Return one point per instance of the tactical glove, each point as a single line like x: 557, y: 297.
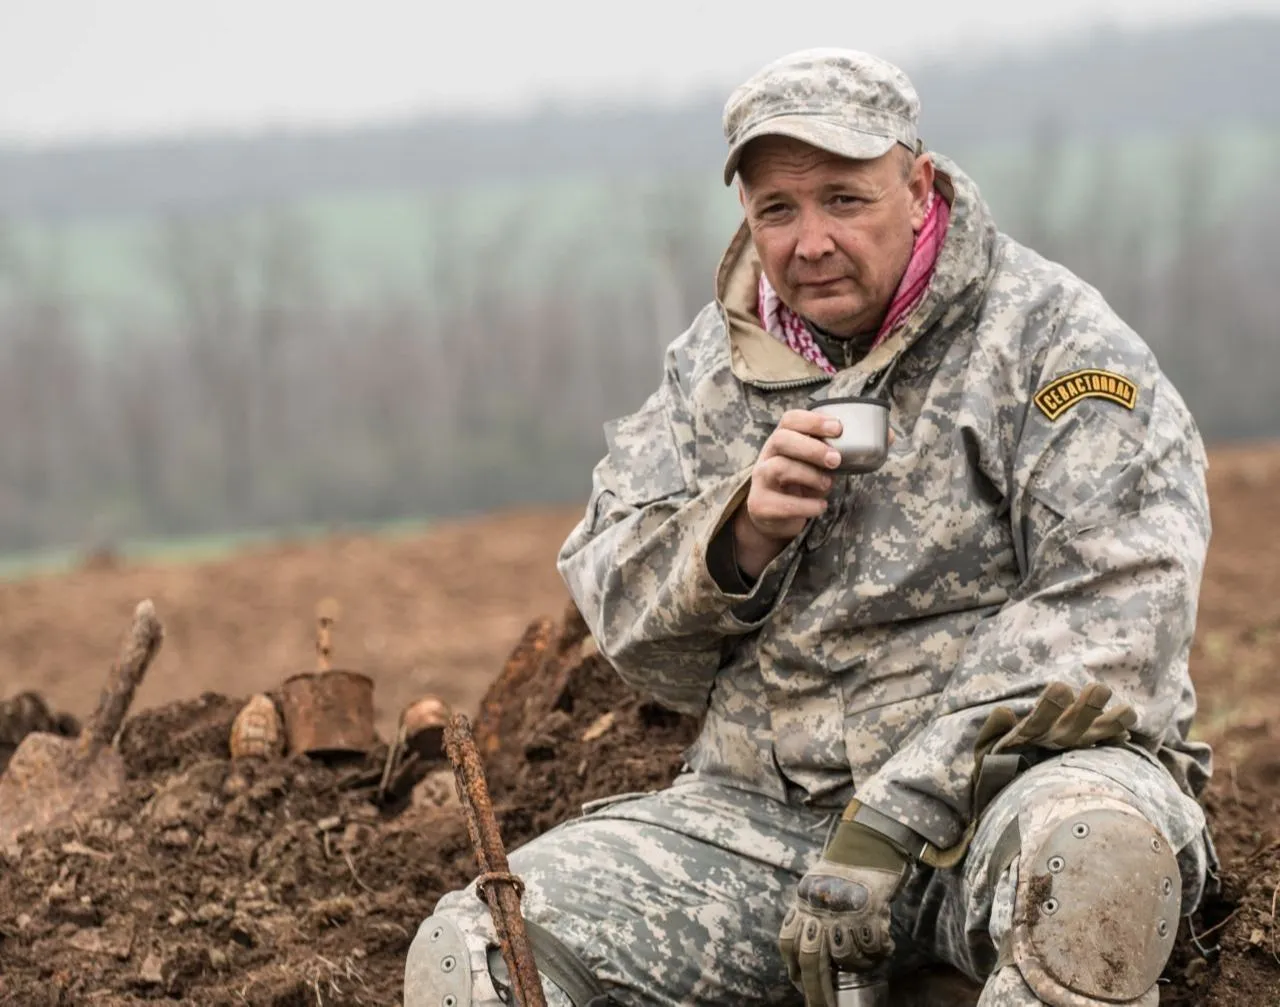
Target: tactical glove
x: 840, y: 918
x: 1059, y: 720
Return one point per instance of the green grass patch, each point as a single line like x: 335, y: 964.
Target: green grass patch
x: 201, y: 548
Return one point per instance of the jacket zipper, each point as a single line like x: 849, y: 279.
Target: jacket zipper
x: 782, y: 386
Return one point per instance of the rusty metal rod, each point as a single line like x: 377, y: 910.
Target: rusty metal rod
x: 498, y: 886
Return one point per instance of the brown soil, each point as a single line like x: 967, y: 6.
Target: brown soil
x: 214, y: 881
x: 1234, y: 664
x: 436, y: 613
x: 282, y: 883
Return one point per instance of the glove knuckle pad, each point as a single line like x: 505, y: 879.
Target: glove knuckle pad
x: 834, y: 894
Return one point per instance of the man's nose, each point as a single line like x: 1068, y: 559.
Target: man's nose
x: 814, y: 238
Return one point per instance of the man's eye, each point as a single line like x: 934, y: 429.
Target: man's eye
x: 843, y: 199
x: 773, y: 210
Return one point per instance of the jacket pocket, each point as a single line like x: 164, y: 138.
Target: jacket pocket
x: 1090, y: 471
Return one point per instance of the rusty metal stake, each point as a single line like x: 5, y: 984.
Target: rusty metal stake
x: 499, y: 888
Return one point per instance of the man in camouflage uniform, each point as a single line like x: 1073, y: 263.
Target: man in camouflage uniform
x: 907, y: 753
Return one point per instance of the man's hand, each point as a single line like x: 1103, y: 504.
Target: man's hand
x: 789, y: 487
x: 840, y: 919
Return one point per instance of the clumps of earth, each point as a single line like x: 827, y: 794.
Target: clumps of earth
x: 285, y: 882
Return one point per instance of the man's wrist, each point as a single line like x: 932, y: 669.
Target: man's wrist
x: 752, y: 549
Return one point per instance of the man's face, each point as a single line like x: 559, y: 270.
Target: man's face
x: 834, y: 236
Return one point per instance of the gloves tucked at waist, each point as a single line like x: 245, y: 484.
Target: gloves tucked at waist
x: 840, y: 918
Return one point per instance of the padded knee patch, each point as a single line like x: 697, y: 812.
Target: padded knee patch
x: 442, y: 970
x: 1096, y: 910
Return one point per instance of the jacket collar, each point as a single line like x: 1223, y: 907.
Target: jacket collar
x: 959, y: 281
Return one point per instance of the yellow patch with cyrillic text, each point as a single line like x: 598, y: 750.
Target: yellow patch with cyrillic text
x: 1062, y: 393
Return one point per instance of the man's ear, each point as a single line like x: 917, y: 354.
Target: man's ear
x: 742, y: 194
x: 921, y: 184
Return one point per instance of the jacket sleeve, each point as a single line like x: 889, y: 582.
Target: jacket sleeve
x: 637, y: 565
x: 1110, y: 523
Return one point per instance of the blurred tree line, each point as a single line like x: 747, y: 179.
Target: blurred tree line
x: 261, y: 400
x: 1180, y: 79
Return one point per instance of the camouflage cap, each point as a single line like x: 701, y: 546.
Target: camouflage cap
x: 839, y: 100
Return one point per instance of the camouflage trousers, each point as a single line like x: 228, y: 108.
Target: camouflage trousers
x: 676, y: 897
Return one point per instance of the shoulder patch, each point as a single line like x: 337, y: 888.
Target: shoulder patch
x: 1062, y: 393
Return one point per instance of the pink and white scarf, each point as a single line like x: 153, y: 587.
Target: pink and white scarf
x: 785, y: 325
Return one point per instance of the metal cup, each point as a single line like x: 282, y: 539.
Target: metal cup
x: 864, y: 440
x: 861, y: 989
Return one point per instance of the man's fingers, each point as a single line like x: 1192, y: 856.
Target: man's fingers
x: 813, y: 424
x: 774, y: 505
x: 801, y: 447
x: 780, y: 474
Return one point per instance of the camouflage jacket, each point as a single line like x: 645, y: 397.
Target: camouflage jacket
x: 1042, y: 516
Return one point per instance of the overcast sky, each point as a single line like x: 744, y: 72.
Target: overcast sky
x: 74, y: 68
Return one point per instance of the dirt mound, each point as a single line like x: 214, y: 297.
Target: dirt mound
x: 559, y: 728
x: 281, y: 883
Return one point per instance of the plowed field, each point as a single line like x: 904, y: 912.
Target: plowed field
x: 282, y: 883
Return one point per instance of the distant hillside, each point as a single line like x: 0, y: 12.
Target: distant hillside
x: 1111, y: 84
x: 1181, y: 80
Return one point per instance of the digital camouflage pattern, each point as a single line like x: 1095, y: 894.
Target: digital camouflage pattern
x: 996, y: 551
x: 847, y: 102
x: 1042, y: 517
x: 676, y: 897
